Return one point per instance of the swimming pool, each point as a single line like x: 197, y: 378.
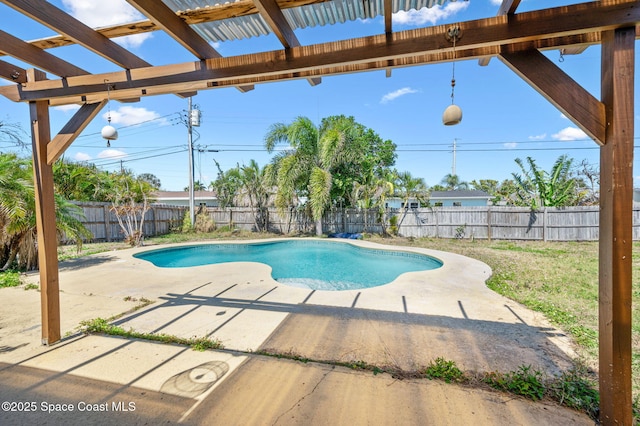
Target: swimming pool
x: 318, y: 265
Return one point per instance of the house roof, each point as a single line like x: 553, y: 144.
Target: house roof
x: 183, y: 195
x: 460, y: 194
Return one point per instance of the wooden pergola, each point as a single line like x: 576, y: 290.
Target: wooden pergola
x: 515, y: 38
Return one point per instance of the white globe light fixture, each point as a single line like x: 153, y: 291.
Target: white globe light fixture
x: 109, y: 132
x: 452, y: 114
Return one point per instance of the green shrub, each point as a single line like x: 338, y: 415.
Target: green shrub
x: 10, y: 279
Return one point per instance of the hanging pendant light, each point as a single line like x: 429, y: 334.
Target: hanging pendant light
x: 109, y: 132
x: 452, y: 114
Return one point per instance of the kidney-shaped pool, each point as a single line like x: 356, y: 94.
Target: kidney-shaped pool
x: 318, y: 265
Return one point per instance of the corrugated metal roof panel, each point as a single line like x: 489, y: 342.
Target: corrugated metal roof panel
x: 326, y: 13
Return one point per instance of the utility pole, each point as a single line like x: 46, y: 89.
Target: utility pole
x: 453, y: 166
x: 193, y: 120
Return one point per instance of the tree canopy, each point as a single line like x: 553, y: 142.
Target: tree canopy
x: 324, y: 163
x: 538, y: 188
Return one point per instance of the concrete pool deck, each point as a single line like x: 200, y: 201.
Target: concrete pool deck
x: 447, y: 312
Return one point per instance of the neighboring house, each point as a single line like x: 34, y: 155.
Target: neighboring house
x: 181, y: 198
x: 398, y: 203
x: 464, y: 198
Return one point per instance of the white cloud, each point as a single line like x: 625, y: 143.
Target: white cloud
x: 112, y: 153
x: 82, y: 156
x: 538, y: 137
x: 67, y: 108
x: 496, y: 2
x: 510, y: 145
x: 428, y: 15
x: 570, y: 134
x: 393, y: 95
x: 563, y: 116
x: 103, y: 13
x: 130, y: 115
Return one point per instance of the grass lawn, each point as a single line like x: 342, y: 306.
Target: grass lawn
x: 559, y: 279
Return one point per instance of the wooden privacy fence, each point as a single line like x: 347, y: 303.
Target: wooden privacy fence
x: 103, y: 224
x: 487, y: 222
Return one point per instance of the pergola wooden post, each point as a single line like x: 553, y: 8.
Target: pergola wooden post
x: 45, y: 217
x: 616, y: 236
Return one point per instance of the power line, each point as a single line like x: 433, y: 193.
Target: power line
x: 123, y: 159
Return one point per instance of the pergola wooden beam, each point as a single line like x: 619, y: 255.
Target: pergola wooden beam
x: 59, y: 21
x: 190, y: 17
x: 165, y: 19
x: 479, y: 38
x: 25, y: 52
x: 616, y: 222
x: 180, y: 31
x: 12, y: 73
x: 276, y: 20
x: 72, y: 130
x: 274, y: 17
x: 561, y: 90
x: 508, y: 7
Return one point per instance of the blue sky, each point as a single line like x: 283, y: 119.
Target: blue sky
x: 504, y: 118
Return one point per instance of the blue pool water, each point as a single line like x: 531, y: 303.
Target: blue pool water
x: 318, y: 265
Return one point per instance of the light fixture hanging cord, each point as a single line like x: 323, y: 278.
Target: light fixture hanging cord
x: 108, y: 101
x: 454, y: 35
x: 108, y: 107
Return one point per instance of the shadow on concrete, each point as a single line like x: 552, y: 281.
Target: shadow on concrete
x: 5, y: 348
x: 402, y: 340
x: 48, y: 397
x: 85, y: 262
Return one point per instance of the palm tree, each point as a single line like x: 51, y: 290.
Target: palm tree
x: 306, y: 168
x: 452, y: 182
x: 18, y: 234
x: 80, y: 181
x: 227, y: 185
x: 197, y: 186
x: 537, y: 188
x: 255, y: 188
x: 372, y: 194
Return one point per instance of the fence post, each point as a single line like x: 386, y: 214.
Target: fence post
x: 107, y: 224
x: 155, y: 221
x: 489, y: 223
x: 544, y: 224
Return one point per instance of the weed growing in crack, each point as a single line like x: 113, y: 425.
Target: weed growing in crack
x: 575, y: 389
x: 444, y: 370
x: 102, y: 326
x: 525, y: 382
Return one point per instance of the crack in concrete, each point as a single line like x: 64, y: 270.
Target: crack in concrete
x: 295, y: 404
